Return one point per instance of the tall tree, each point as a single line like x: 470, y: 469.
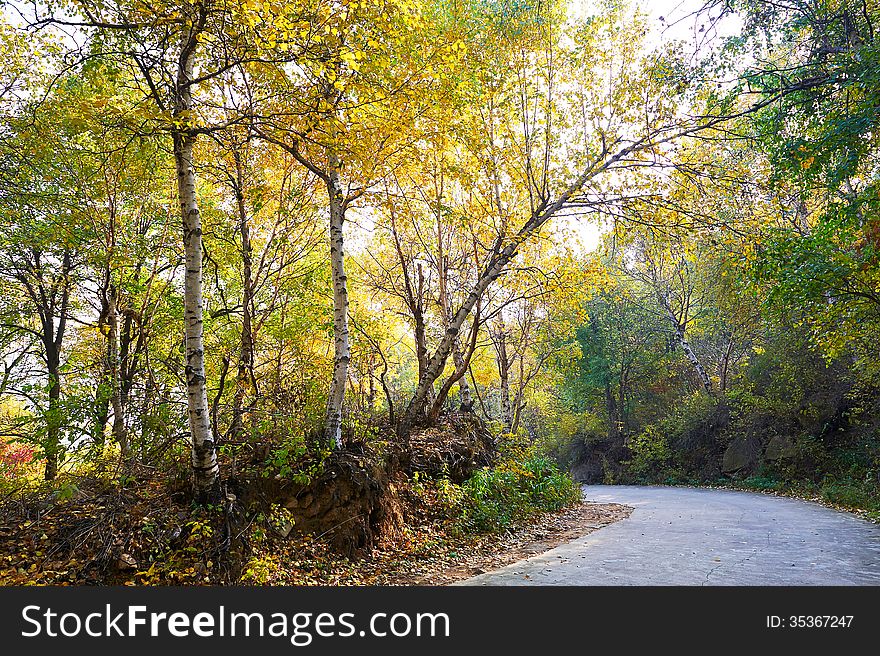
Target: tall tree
x: 173, y: 49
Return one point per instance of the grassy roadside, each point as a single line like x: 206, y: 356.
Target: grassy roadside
x: 844, y: 498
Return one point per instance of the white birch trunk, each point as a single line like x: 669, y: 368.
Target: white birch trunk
x: 504, y: 376
x: 206, y: 472
x: 341, y: 344
x: 685, y: 345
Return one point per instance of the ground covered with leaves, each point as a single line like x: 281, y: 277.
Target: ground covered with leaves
x: 431, y: 554
x: 96, y: 530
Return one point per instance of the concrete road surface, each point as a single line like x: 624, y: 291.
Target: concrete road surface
x: 682, y: 536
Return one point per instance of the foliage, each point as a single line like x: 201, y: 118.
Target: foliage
x: 497, y: 497
x: 650, y: 454
x: 14, y: 459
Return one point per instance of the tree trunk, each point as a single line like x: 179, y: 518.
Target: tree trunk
x: 500, y: 340
x: 685, y: 346
x: 371, y: 390
x: 342, y: 348
x: 102, y: 410
x: 119, y: 433
x: 464, y: 389
x: 417, y: 307
x: 53, y: 423
x: 518, y: 405
x: 414, y: 296
x: 246, y: 350
x: 53, y: 338
x: 206, y: 472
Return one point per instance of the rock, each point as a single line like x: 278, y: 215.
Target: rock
x: 126, y: 563
x: 779, y: 448
x: 285, y: 528
x: 741, y: 455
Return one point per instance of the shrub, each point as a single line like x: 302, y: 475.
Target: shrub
x: 851, y: 494
x: 496, y: 497
x: 651, y: 454
x: 762, y: 483
x: 14, y: 459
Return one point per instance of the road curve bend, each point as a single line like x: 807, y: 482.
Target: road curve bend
x: 687, y: 536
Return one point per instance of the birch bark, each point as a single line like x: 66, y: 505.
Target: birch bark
x: 206, y: 472
x: 341, y: 343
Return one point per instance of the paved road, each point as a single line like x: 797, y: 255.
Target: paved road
x: 681, y: 536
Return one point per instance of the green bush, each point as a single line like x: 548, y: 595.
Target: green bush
x: 762, y: 483
x: 651, y: 454
x: 496, y: 497
x: 851, y: 494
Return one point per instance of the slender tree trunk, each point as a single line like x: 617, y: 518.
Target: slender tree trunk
x: 206, y: 472
x: 464, y: 389
x: 518, y: 405
x: 102, y: 410
x: 420, y: 333
x: 342, y: 348
x: 53, y: 338
x: 685, y: 345
x: 103, y: 392
x: 478, y: 395
x: 120, y: 435
x: 53, y: 423
x: 499, y: 339
x: 371, y: 390
x: 246, y: 350
x: 414, y: 295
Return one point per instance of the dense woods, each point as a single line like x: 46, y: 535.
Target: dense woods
x: 272, y: 270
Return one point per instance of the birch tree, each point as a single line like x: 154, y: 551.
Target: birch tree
x: 171, y: 49
x: 365, y: 74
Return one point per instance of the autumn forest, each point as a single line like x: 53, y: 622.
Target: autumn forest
x: 309, y: 291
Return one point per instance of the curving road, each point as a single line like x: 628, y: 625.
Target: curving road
x: 684, y: 536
